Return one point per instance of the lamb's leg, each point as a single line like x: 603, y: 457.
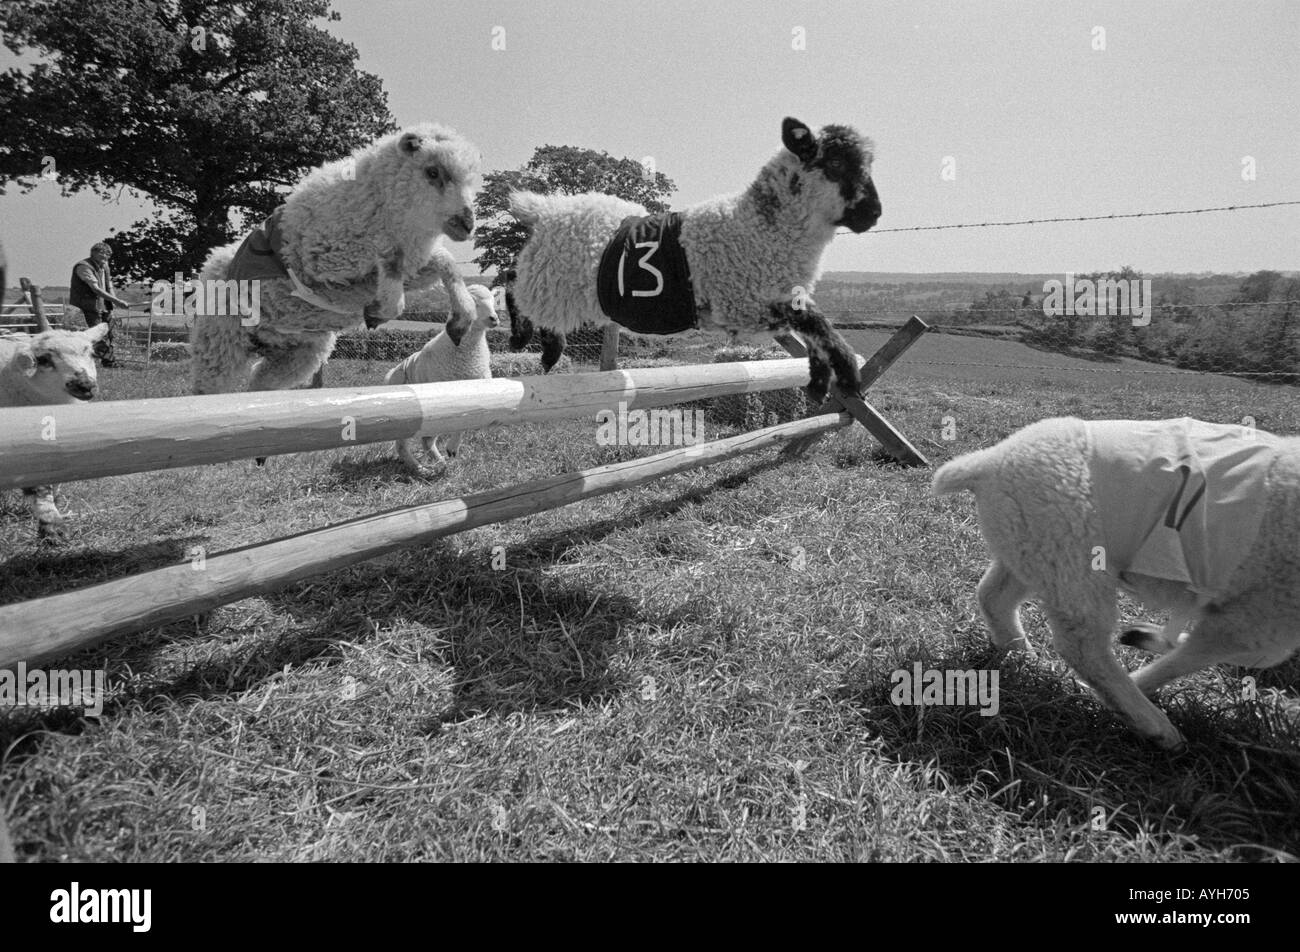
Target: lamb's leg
x: 453, y: 442
x: 390, y: 291
x: 441, y: 267
x: 49, y: 521
x: 430, y: 449
x: 291, y: 361
x: 1000, y: 594
x: 1248, y: 632
x: 521, y: 328
x: 828, y: 351
x: 1084, y: 643
x: 552, y: 347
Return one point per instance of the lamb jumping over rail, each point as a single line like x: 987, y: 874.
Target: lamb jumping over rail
x: 441, y: 359
x: 742, y: 264
x: 48, y: 367
x: 343, y: 248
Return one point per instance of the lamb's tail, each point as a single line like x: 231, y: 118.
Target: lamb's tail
x: 966, y: 472
x: 528, y: 207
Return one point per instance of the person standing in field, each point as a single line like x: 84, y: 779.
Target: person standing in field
x: 91, y: 290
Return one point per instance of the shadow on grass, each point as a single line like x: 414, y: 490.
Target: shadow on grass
x: 43, y: 569
x: 1054, y: 755
x: 518, y: 640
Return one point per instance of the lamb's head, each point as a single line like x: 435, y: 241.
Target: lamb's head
x: 433, y: 175
x: 57, y: 366
x: 485, y: 307
x: 827, y: 175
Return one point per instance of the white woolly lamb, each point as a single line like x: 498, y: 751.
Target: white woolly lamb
x: 750, y: 260
x: 1198, y: 518
x: 343, y: 247
x: 442, y: 359
x: 51, y: 367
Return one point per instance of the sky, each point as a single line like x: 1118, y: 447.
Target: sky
x: 1013, y: 100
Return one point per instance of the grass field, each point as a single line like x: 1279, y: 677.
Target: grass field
x: 698, y: 669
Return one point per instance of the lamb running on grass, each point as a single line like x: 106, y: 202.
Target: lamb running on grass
x: 49, y: 367
x: 1197, y: 518
x: 441, y: 359
x: 742, y: 264
x: 342, y: 249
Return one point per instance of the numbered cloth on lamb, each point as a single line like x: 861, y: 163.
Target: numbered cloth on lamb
x: 258, y: 259
x: 258, y: 256
x: 644, y: 282
x: 1179, y: 499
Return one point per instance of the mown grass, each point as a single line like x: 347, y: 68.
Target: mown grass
x: 697, y: 669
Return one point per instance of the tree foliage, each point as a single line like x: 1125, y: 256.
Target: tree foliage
x: 564, y: 169
x: 203, y: 106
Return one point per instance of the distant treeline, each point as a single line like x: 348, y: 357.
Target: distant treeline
x: 1214, y: 323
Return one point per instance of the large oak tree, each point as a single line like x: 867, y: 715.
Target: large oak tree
x: 204, y: 107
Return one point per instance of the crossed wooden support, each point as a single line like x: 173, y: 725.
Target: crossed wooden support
x: 893, y: 441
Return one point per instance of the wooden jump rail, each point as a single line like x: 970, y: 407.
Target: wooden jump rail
x: 68, y: 442
x: 46, y: 628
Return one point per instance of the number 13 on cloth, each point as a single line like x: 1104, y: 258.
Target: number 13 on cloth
x: 644, y: 281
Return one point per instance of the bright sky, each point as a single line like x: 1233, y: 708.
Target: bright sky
x: 1037, y: 121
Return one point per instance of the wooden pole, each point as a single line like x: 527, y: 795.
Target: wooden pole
x: 46, y: 628
x: 65, y: 442
x: 609, y: 348
x: 894, y: 442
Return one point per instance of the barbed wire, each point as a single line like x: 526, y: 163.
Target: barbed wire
x: 1047, y: 221
x: 1044, y: 221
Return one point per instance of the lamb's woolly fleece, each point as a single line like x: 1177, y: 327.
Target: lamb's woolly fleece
x: 73, y: 363
x: 342, y: 219
x: 1040, y: 521
x: 745, y: 251
x: 24, y: 383
x: 440, y: 359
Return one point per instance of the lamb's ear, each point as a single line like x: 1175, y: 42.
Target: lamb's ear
x: 97, y: 332
x: 799, y: 139
x: 25, y: 363
x: 410, y: 143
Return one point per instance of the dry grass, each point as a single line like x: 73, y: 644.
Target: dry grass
x: 652, y: 676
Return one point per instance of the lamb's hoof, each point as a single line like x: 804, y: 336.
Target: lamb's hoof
x: 435, y: 471
x: 1146, y: 636
x: 260, y: 461
x: 52, y: 532
x: 1171, y: 740
x: 373, y: 317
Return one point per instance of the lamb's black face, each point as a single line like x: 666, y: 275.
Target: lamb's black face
x: 844, y: 157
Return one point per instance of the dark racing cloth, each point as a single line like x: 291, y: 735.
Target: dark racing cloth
x: 644, y: 282
x: 259, y: 255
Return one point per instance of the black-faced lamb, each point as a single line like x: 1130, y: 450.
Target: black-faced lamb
x: 743, y: 264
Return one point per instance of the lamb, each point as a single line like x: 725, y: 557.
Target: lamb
x: 49, y: 367
x: 442, y: 359
x: 343, y: 247
x: 1197, y: 518
x: 743, y: 264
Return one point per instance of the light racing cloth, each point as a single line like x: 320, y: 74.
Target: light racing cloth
x: 1179, y: 499
x: 644, y: 282
x: 258, y: 258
